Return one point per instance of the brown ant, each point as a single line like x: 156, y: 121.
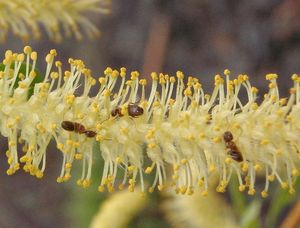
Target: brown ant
x: 116, y: 112
x: 90, y: 134
x: 134, y: 110
x: 77, y: 128
x: 234, y: 152
x: 73, y: 126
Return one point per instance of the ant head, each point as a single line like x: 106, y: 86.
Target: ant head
x: 227, y: 136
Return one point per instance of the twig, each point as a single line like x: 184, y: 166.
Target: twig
x: 156, y: 45
x: 293, y: 218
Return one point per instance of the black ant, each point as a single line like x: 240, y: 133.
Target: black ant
x: 234, y: 152
x: 77, y: 128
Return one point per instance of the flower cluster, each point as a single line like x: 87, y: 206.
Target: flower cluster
x: 57, y: 17
x: 178, y: 133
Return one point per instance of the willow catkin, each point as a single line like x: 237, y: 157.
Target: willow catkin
x: 118, y: 210
x: 58, y: 18
x: 176, y: 126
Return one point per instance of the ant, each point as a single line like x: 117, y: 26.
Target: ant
x: 134, y: 110
x: 116, y: 112
x: 73, y: 126
x: 233, y: 150
x: 90, y: 134
x: 77, y: 128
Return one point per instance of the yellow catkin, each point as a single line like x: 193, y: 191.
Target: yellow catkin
x: 65, y: 15
x: 179, y: 134
x: 198, y: 211
x: 126, y: 202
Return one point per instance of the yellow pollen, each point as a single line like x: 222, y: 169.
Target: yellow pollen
x: 271, y: 177
x: 9, y: 172
x: 271, y: 76
x: 217, y: 128
x: 179, y: 75
x: 264, y: 142
x: 78, y: 156
x: 292, y: 191
x: 245, y: 167
x: 160, y: 187
x: 272, y: 85
x: 190, y: 138
x: 251, y: 191
x: 99, y: 138
x: 39, y: 174
x: 53, y: 126
x: 148, y: 170
x: 60, y: 146
x: 202, y: 135
x: 245, y: 77
x: 67, y: 177
x: 217, y: 139
x: 284, y: 185
x: 227, y: 72
x: 212, y: 168
x: 257, y: 167
x: 143, y: 82
x: 264, y: 194
x: 107, y: 93
x: 176, y: 167
x: 23, y: 159
x: 27, y: 49
x: 200, y: 183
x: 184, y: 161
x: 119, y: 160
x: 254, y: 90
x: 59, y: 180
x: 76, y: 144
x: 151, y: 145
x: 68, y: 165
x: 131, y: 168
x: 172, y: 79
x: 204, y: 193
x: 294, y: 77
x: 175, y: 177
x: 150, y: 189
x: 295, y: 172
x: 20, y: 57
x: 183, y: 189
x: 242, y: 188
x: 124, y: 130
x: 86, y: 183
x: 228, y: 161
x: 254, y: 106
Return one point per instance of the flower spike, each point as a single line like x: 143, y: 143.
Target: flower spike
x: 59, y: 18
x: 180, y: 134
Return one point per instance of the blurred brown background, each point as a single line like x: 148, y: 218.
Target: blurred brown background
x: 199, y: 37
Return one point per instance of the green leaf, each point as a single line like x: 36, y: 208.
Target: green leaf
x: 238, y: 198
x: 38, y: 78
x: 280, y: 200
x: 250, y: 217
x: 84, y: 203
